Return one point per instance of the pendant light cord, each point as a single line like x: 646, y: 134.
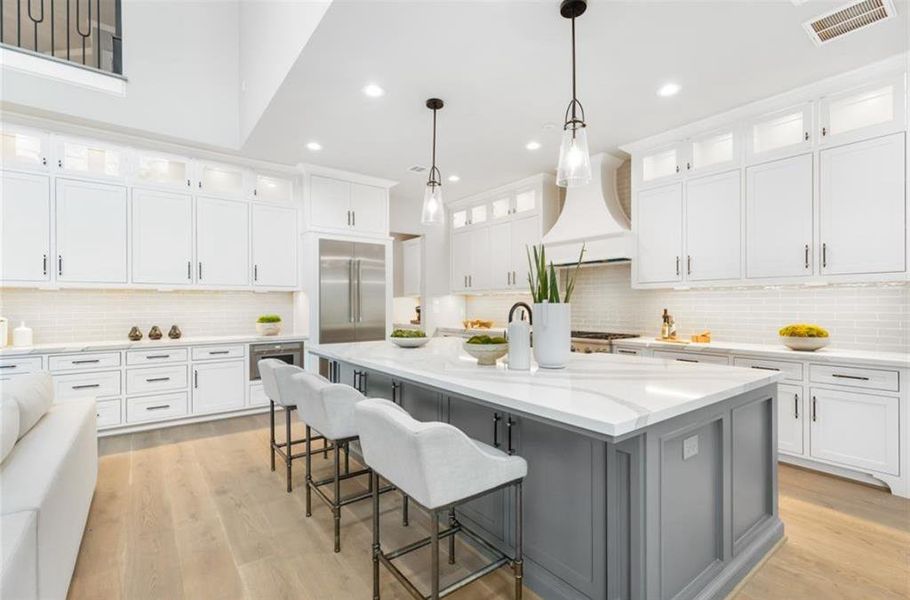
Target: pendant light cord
x: 434, y: 141
x: 574, y: 96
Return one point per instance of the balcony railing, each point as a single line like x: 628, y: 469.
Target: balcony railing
x: 84, y: 32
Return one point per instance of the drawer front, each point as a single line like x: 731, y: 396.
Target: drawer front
x: 218, y: 352
x: 84, y: 385
x: 154, y: 357
x: 257, y: 396
x: 156, y: 379
x: 792, y: 371
x: 108, y: 413
x: 628, y: 351
x: 692, y: 357
x: 858, y: 377
x: 19, y: 365
x: 78, y: 362
x: 156, y: 408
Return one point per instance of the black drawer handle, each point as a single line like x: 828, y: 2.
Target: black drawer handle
x: 856, y: 377
x: 626, y: 352
x: 214, y: 352
x: 9, y: 366
x: 496, y: 419
x: 156, y: 356
x: 158, y: 407
x: 86, y: 361
x: 691, y: 360
x: 86, y: 386
x: 155, y: 379
x: 765, y: 368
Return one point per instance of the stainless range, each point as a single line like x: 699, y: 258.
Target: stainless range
x: 596, y: 341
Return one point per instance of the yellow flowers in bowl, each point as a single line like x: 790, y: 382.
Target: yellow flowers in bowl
x: 803, y: 336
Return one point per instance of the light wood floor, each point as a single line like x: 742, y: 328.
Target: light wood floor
x: 194, y: 512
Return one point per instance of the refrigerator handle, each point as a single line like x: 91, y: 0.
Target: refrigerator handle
x: 359, y: 290
x: 351, y: 290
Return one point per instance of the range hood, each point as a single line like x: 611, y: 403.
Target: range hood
x: 591, y: 215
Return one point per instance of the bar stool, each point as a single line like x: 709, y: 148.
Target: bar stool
x: 439, y: 467
x: 327, y: 408
x: 267, y: 369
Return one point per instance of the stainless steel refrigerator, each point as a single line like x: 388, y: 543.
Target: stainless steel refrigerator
x: 352, y: 291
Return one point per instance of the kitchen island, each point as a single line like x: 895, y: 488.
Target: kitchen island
x: 647, y: 478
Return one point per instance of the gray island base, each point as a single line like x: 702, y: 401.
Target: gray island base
x: 647, y: 479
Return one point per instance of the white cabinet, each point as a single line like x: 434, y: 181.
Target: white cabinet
x: 91, y: 232
x: 781, y: 133
x: 661, y: 164
x: 658, y: 216
x: 874, y: 109
x: 222, y: 242
x: 164, y: 170
x: 369, y: 209
x: 220, y: 179
x: 24, y: 148
x: 862, y: 207
x: 90, y: 158
x: 779, y: 218
x: 790, y: 414
x: 162, y: 237
x: 501, y: 255
x: 274, y: 239
x: 713, y: 151
x: 713, y: 222
x: 218, y: 386
x: 411, y: 266
x: 330, y: 203
x: 480, y: 274
x: 268, y: 188
x: 461, y: 259
x: 855, y: 429
x: 25, y: 226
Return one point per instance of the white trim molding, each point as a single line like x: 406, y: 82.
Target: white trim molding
x: 47, y: 67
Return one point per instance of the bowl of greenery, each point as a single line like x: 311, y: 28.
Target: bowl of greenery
x: 486, y: 349
x: 409, y: 338
x: 268, y: 325
x: 804, y: 337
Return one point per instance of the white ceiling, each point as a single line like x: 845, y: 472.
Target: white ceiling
x: 503, y: 69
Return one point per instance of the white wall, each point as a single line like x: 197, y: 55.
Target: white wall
x: 107, y: 315
x: 272, y: 35
x: 181, y: 59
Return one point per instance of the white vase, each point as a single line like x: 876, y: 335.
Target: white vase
x: 268, y: 328
x: 552, y: 334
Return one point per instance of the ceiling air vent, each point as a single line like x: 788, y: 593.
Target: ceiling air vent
x: 848, y: 19
x: 417, y: 169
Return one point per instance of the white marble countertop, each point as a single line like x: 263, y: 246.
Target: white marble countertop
x: 609, y: 394
x: 824, y: 355
x: 146, y: 343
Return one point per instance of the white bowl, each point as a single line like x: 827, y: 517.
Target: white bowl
x: 806, y: 344
x: 486, y: 354
x: 268, y: 328
x: 409, y: 342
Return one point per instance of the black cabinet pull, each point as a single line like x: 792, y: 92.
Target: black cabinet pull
x: 824, y: 131
x: 806, y: 257
x: 59, y: 264
x: 189, y: 269
x: 806, y: 136
x: 354, y: 218
x: 496, y: 419
x: 158, y: 407
x: 86, y: 386
x: 824, y: 255
x: 9, y: 366
x: 157, y: 356
x: 691, y: 360
x: 44, y: 264
x: 200, y: 271
x: 621, y: 351
x: 157, y: 379
x: 814, y: 402
x: 795, y: 406
x: 255, y: 272
x: 509, y: 423
x: 759, y: 367
x: 86, y: 361
x: 677, y: 266
x: 396, y: 392
x: 215, y: 352
x: 854, y: 377
x: 689, y: 265
x: 188, y: 184
x: 195, y: 379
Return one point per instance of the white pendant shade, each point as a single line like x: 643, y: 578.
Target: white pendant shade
x: 574, y: 167
x: 433, y: 212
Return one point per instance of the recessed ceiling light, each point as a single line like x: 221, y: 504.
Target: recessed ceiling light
x: 314, y: 146
x: 373, y: 91
x: 454, y: 178
x: 532, y: 145
x: 668, y: 89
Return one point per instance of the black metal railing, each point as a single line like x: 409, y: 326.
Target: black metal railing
x: 85, y: 32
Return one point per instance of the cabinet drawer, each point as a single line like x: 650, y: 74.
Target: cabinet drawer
x: 83, y: 385
x: 792, y: 371
x: 154, y: 357
x: 154, y: 408
x: 692, y: 357
x: 860, y: 377
x: 155, y: 379
x: 218, y: 352
x: 19, y: 365
x: 74, y: 362
x: 628, y: 351
x: 108, y: 413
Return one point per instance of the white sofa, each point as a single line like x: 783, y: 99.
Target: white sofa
x: 46, y: 486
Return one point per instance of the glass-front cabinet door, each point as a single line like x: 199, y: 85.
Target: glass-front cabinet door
x: 24, y: 148
x: 661, y: 164
x: 164, y: 170
x: 91, y: 158
x: 478, y: 214
x: 225, y: 180
x: 272, y: 189
x: 869, y: 111
x: 459, y: 218
x: 717, y: 150
x: 525, y: 202
x: 781, y: 133
x: 501, y: 207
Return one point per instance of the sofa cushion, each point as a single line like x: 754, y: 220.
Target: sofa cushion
x: 34, y: 393
x: 9, y: 425
x: 19, y: 561
x: 53, y: 470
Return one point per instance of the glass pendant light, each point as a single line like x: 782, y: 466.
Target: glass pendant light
x: 433, y: 212
x: 574, y: 167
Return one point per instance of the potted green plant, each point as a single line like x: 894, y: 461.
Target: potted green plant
x: 552, y: 309
x: 268, y: 325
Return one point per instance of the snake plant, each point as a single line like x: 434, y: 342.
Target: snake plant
x: 542, y: 278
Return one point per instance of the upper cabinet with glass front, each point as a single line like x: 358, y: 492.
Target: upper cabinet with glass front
x: 220, y: 179
x: 869, y: 111
x: 662, y: 164
x: 268, y: 188
x: 24, y: 148
x: 162, y: 170
x: 782, y: 133
x: 90, y: 158
x: 716, y: 150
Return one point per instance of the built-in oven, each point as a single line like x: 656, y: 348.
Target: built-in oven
x: 289, y: 352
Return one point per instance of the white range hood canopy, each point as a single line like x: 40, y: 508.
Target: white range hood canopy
x: 591, y: 215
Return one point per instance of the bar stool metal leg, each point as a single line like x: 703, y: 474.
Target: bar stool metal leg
x: 434, y: 553
x: 272, y: 431
x: 404, y: 510
x: 518, y: 562
x: 336, y: 504
x: 287, y: 438
x: 452, y: 523
x: 347, y: 458
x: 374, y: 482
x: 309, y: 473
